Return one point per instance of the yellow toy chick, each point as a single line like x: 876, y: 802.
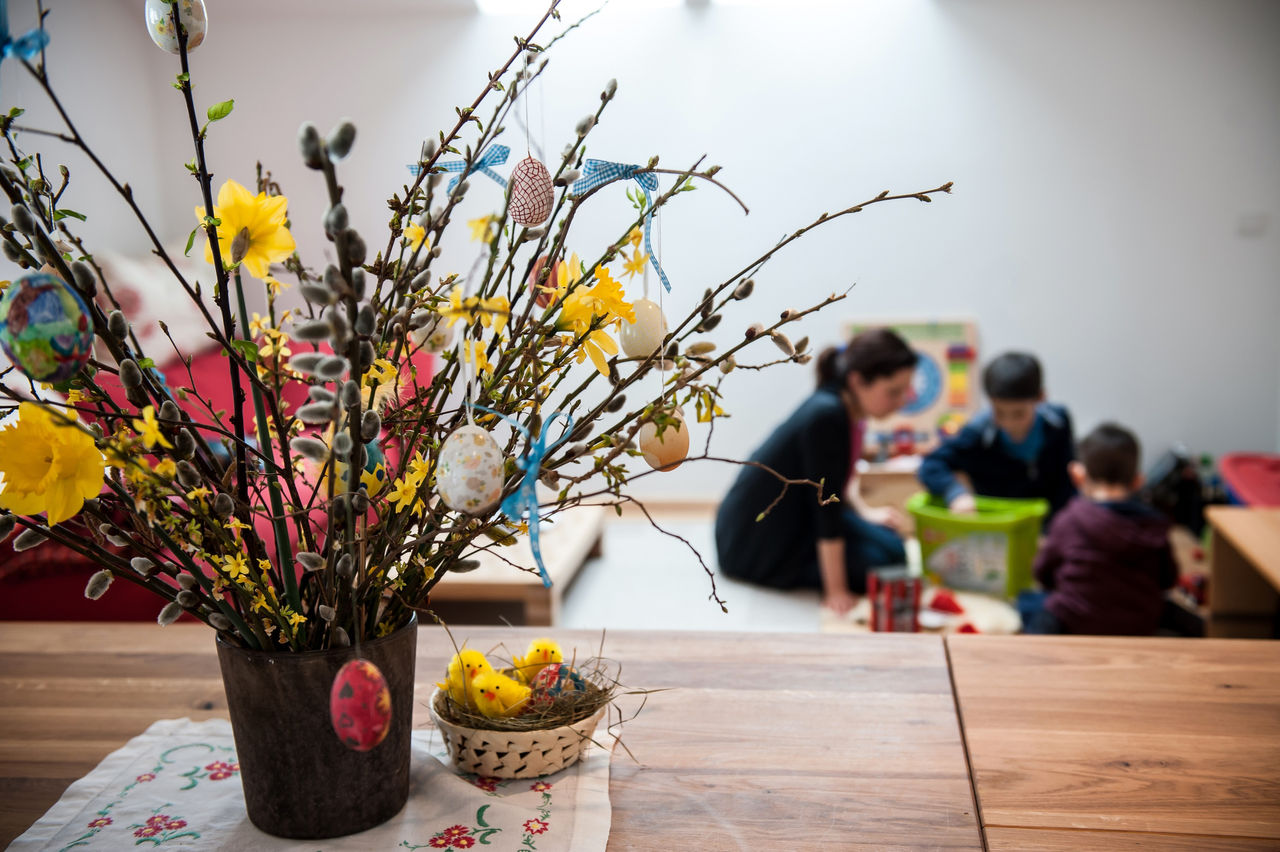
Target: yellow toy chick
x: 542, y: 652
x: 498, y: 696
x: 463, y: 669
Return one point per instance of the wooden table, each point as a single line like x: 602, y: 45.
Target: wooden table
x: 1109, y: 744
x: 762, y: 741
x: 1244, y: 574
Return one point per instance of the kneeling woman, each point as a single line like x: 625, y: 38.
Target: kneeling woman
x: 803, y: 541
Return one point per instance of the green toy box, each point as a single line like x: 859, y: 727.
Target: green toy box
x: 990, y: 551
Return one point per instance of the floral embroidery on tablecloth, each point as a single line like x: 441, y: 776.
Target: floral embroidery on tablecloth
x: 542, y: 824
x: 160, y: 829
x: 459, y: 836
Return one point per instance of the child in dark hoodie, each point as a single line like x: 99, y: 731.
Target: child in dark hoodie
x: 1106, y: 561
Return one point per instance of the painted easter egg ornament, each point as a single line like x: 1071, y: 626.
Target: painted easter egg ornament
x: 45, y: 328
x: 360, y: 705
x: 469, y: 472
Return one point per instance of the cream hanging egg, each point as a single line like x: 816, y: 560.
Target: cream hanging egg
x: 532, y: 195
x: 469, y: 472
x: 641, y: 338
x: 668, y: 451
x: 160, y: 23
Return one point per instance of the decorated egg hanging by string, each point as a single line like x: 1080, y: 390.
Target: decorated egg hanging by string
x: 641, y: 338
x: 665, y: 452
x: 160, y: 23
x: 434, y: 336
x: 360, y: 705
x: 45, y: 328
x: 374, y: 475
x: 531, y: 193
x: 469, y: 472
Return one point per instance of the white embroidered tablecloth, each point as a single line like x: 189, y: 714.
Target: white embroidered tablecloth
x: 177, y: 785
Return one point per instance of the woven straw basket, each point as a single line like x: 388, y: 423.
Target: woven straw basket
x: 513, y: 754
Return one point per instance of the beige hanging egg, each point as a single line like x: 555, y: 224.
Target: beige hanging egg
x: 469, y: 471
x: 434, y: 336
x: 532, y: 195
x: 641, y: 338
x: 159, y: 17
x: 668, y: 451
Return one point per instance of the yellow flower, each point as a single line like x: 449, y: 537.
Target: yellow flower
x: 415, y: 237
x: 235, y: 566
x: 274, y: 286
x: 235, y: 524
x: 473, y: 351
x: 419, y: 467
x: 635, y: 237
x: 47, y: 465
x: 603, y: 300
x: 258, y: 324
x: 634, y: 265
x: 200, y: 494
x: 166, y: 468
x: 75, y: 395
x: 490, y: 312
x: 599, y: 345
x: 382, y: 372
x: 485, y: 228
x: 269, y: 239
x: 149, y: 428
x: 405, y: 494
x: 294, y: 618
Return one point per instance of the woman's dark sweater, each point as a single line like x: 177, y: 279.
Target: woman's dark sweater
x: 813, y: 443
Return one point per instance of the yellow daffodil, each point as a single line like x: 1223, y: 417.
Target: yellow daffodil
x: 485, y: 228
x: 634, y: 265
x: 598, y: 345
x: 415, y: 237
x: 235, y: 566
x: 48, y: 465
x: 473, y: 351
x: 490, y: 312
x: 149, y: 428
x: 603, y: 299
x: 269, y: 240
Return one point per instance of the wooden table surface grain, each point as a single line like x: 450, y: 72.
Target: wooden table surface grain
x: 761, y: 740
x: 1105, y: 743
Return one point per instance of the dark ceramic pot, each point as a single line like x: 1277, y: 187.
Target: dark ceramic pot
x: 299, y: 779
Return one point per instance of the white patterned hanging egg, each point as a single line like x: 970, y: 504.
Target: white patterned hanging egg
x: 435, y: 335
x: 641, y: 338
x: 531, y: 193
x: 469, y: 471
x: 668, y: 451
x: 160, y: 23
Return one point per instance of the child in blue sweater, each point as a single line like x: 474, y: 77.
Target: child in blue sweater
x: 1019, y: 447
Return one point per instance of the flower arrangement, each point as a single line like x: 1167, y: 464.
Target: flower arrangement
x: 344, y: 482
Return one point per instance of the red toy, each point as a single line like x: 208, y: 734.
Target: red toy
x: 944, y: 601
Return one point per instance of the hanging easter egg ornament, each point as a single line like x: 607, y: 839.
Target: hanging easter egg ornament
x: 469, y: 472
x: 45, y: 328
x: 641, y: 338
x: 360, y: 705
x: 667, y: 451
x: 374, y: 475
x: 435, y: 336
x: 531, y: 193
x: 160, y: 23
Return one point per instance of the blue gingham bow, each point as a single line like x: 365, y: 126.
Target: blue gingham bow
x: 597, y: 172
x: 26, y: 45
x: 494, y: 155
x: 525, y: 498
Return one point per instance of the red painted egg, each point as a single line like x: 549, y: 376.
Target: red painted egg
x: 532, y: 195
x: 557, y: 679
x: 360, y: 705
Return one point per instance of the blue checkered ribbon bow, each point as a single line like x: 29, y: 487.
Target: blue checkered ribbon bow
x: 494, y: 155
x: 26, y: 45
x: 525, y: 498
x: 597, y: 172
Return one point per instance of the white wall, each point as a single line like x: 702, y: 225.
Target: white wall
x: 1117, y: 166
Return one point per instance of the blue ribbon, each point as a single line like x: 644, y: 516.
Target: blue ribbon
x: 494, y: 155
x: 26, y: 45
x: 597, y: 172
x: 525, y: 498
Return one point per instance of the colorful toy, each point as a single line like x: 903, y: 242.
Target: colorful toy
x: 45, y: 328
x: 498, y: 696
x: 990, y: 551
x: 895, y: 601
x: 360, y: 705
x: 960, y: 357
